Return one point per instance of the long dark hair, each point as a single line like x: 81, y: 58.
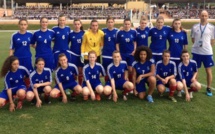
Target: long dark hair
x: 7, y: 65
x: 140, y: 49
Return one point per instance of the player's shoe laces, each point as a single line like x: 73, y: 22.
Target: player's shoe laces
x: 150, y: 99
x: 208, y: 91
x: 172, y: 98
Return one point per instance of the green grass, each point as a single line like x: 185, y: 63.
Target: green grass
x: 133, y: 116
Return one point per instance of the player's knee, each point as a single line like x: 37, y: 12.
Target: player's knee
x: 99, y: 89
x: 86, y: 91
x: 107, y: 90
x: 172, y: 82
x: 78, y: 89
x: 179, y: 86
x: 47, y: 89
x: 29, y: 96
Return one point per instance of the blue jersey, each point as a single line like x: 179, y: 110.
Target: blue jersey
x: 165, y: 70
x: 21, y: 43
x: 126, y: 40
x: 186, y: 72
x: 43, y: 42
x: 93, y: 74
x: 66, y: 76
x: 117, y: 72
x: 45, y: 76
x: 142, y: 36
x: 177, y: 41
x: 158, y: 39
x: 61, y: 38
x: 142, y: 68
x: 76, y: 40
x: 15, y: 79
x: 109, y: 41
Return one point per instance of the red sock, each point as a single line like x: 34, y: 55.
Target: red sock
x: 27, y: 82
x: 192, y: 89
x: 125, y: 91
x: 80, y: 79
x: 172, y: 90
x: 59, y: 95
x: 74, y: 93
x: 106, y: 78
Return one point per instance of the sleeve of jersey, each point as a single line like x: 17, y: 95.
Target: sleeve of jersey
x: 213, y: 32
x: 195, y: 67
x: 150, y: 32
x: 33, y: 40
x: 32, y: 81
x: 181, y: 75
x: 11, y: 43
x: 7, y: 82
x: 75, y: 69
x: 102, y: 70
x: 118, y: 37
x: 185, y: 39
x: 102, y: 38
x: 192, y: 32
x: 85, y: 74
x: 24, y: 71
x: 84, y: 42
x: 57, y: 76
x: 174, y: 69
x: 135, y: 35
x: 49, y: 75
x: 157, y: 69
x: 110, y: 72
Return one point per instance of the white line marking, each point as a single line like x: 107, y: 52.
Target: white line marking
x: 206, y: 86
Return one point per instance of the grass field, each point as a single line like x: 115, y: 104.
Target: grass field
x: 133, y: 116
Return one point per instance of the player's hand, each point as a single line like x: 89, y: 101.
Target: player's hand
x: 133, y: 53
x: 187, y: 97
x: 139, y: 79
x: 92, y: 95
x: 135, y: 92
x: 193, y: 80
x: 39, y: 103
x: 163, y: 81
x: 64, y: 99
x: 82, y: 58
x: 12, y: 107
x: 36, y: 85
x: 115, y: 97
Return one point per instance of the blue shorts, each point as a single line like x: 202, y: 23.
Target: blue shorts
x: 160, y: 82
x: 56, y: 54
x: 157, y: 58
x: 118, y: 84
x: 40, y: 89
x: 128, y: 58
x: 26, y: 62
x: 49, y: 61
x: 106, y: 62
x: 70, y: 85
x: 76, y: 60
x: 206, y: 59
x: 4, y: 95
x: 141, y: 87
x: 93, y: 85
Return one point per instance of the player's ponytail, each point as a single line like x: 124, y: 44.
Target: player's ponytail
x: 7, y: 65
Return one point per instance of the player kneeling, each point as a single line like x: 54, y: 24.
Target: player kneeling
x: 64, y: 77
x: 144, y: 72
x: 40, y: 79
x: 118, y: 77
x: 166, y: 73
x: 188, y: 70
x: 91, y: 72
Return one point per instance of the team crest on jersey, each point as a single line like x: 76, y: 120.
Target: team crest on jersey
x: 67, y: 33
x: 146, y: 32
x: 183, y: 71
x: 123, y: 70
x: 29, y: 39
x: 36, y: 80
x: 182, y: 37
x: 114, y: 72
x: 114, y: 36
x: 138, y: 68
x: 20, y: 76
x: 46, y: 77
x: 132, y: 36
x: 73, y: 37
x: 148, y: 68
x: 49, y: 37
x: 191, y: 69
x: 40, y: 37
x: 164, y: 32
x: 89, y: 73
x: 97, y: 72
x: 171, y: 35
x: 155, y: 33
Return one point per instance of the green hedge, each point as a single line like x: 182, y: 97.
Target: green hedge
x: 186, y: 25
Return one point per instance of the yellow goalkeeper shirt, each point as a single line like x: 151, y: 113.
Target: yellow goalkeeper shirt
x: 92, y: 41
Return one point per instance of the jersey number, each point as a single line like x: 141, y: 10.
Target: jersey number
x: 79, y: 41
x: 45, y: 41
x: 93, y: 76
x: 127, y: 40
x: 63, y: 37
x: 176, y: 40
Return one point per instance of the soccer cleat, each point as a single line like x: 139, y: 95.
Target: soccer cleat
x: 167, y: 90
x: 19, y: 105
x: 67, y: 92
x: 85, y: 98
x: 98, y: 97
x: 179, y: 94
x: 191, y: 95
x: 172, y: 98
x: 110, y: 97
x: 150, y: 99
x: 208, y: 91
x: 125, y: 98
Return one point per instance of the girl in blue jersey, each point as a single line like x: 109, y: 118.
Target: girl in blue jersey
x: 61, y: 39
x: 41, y: 41
x: 41, y: 79
x: 118, y: 74
x: 64, y: 76
x: 166, y: 73
x: 109, y: 43
x: 159, y: 36
x: 142, y: 33
x: 126, y: 44
x: 75, y: 37
x: 188, y: 70
x: 144, y: 72
x: 14, y: 84
x: 177, y: 41
x: 20, y: 45
x: 92, y: 82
